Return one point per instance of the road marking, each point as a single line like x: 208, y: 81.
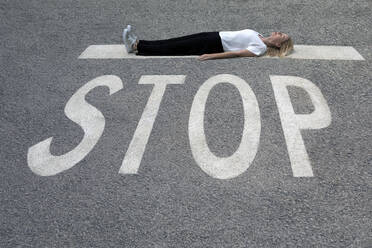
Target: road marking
x: 236, y: 164
x: 90, y: 119
x: 325, y: 52
x: 293, y: 123
x: 133, y: 157
x: 300, y: 52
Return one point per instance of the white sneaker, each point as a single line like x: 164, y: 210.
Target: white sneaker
x: 131, y: 33
x: 128, y: 42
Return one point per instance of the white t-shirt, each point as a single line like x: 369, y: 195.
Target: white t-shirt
x: 243, y: 39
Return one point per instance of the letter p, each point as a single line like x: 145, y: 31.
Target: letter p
x: 292, y: 123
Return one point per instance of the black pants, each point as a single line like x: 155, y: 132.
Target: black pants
x: 195, y: 44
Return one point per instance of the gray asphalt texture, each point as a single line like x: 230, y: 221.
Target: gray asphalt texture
x: 171, y: 202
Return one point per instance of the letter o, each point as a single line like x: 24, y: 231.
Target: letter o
x: 237, y: 163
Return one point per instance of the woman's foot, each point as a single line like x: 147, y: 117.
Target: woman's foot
x: 131, y: 32
x: 126, y: 41
x: 132, y: 37
x: 130, y: 40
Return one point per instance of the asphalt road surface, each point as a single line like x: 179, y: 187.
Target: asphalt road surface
x: 177, y: 152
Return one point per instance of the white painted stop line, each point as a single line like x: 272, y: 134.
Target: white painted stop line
x: 300, y: 52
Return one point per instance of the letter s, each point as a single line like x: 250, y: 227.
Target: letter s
x: 91, y: 120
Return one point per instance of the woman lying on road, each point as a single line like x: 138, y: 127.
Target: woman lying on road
x: 212, y: 45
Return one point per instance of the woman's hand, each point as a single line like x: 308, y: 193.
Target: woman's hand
x: 206, y: 57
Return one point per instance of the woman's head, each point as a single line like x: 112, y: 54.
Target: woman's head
x: 279, y: 44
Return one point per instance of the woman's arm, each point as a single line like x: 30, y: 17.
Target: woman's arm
x: 234, y: 54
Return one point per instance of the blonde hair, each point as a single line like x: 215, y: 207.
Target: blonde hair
x: 285, y: 48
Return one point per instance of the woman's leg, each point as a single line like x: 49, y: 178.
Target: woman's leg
x: 195, y: 44
x: 180, y: 38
